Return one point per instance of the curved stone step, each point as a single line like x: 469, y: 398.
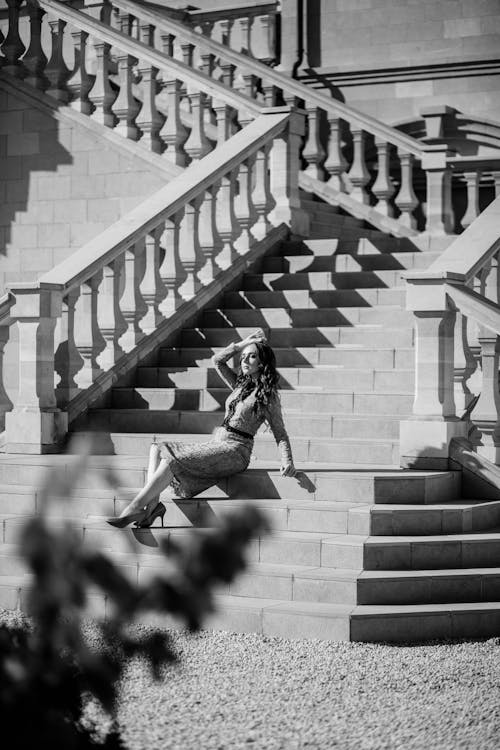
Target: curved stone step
x: 305, y: 298
x: 276, y: 317
x: 321, y: 280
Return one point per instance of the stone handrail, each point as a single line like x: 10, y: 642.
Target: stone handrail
x: 91, y: 313
x: 457, y: 316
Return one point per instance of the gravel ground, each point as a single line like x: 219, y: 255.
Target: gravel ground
x: 240, y: 691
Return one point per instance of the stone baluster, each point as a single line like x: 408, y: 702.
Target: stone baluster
x: 125, y: 23
x: 5, y: 402
x: 270, y: 94
x: 313, y: 152
x: 335, y: 164
x: 224, y: 116
x: 438, y: 179
x: 152, y: 289
x: 56, y: 70
x: 465, y: 365
x: 101, y: 94
x: 197, y: 145
x: 207, y: 238
x: 207, y: 63
x: 110, y: 320
x: 486, y: 413
x: 98, y: 9
x: 35, y: 425
x: 227, y: 77
x: 266, y: 39
x: 149, y: 120
x: 126, y: 107
x: 173, y: 132
x: 226, y: 222
x: 171, y: 271
x: 243, y: 208
x: 383, y: 187
x: 248, y: 85
x: 226, y: 27
x: 472, y: 180
x: 246, y: 23
x: 87, y: 337
x: 67, y: 360
x: 167, y: 44
x: 35, y: 58
x: 13, y: 47
x: 358, y: 173
x: 80, y: 82
x: 406, y: 200
x: 187, y: 53
x: 285, y: 168
x: 131, y: 303
x: 189, y: 249
x: 261, y: 195
x: 207, y: 28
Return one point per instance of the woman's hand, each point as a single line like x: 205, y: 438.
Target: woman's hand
x: 257, y: 337
x: 288, y: 470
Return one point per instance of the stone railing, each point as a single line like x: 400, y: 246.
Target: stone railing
x: 457, y: 318
x: 373, y: 162
x: 99, y: 312
x: 178, y: 93
x: 121, y: 81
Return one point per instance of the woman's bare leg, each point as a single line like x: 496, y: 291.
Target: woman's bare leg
x: 159, y: 480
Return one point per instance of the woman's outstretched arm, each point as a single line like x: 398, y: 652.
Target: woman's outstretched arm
x: 220, y: 359
x: 275, y: 419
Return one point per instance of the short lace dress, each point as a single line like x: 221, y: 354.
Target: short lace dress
x: 198, y: 466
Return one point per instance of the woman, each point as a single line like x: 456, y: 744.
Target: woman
x: 193, y: 467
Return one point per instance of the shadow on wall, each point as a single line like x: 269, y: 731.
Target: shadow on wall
x: 32, y: 150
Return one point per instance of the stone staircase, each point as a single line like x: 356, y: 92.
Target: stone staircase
x: 360, y: 549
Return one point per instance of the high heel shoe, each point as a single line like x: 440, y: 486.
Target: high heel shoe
x: 158, y: 512
x: 121, y: 521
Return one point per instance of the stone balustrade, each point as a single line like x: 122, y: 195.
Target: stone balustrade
x: 123, y: 81
x: 92, y: 313
x: 177, y: 91
x: 456, y: 305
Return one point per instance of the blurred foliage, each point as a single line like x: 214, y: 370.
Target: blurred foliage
x: 48, y: 669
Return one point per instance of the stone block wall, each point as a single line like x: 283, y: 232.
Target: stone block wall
x: 390, y: 58
x: 60, y: 185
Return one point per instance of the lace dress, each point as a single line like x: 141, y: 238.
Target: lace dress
x: 197, y: 466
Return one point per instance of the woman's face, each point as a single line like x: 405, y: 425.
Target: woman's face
x: 249, y: 360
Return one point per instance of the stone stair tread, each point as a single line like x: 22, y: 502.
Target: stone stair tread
x: 428, y: 573
x: 227, y: 601
x: 368, y: 610
x: 181, y: 437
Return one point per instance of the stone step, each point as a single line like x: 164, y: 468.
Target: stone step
x: 22, y: 475
x: 347, y: 262
x: 303, y: 400
x: 306, y: 298
x: 344, y: 450
x: 325, y: 336
x: 336, y: 622
x: 290, y: 377
x: 353, y: 357
x: 321, y: 280
x: 358, y: 246
x: 474, y: 550
x: 280, y: 317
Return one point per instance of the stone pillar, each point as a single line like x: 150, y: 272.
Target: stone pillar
x: 36, y: 425
x: 426, y: 435
x: 285, y: 167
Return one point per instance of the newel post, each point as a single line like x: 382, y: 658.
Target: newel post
x: 425, y: 437
x: 36, y: 425
x: 284, y: 172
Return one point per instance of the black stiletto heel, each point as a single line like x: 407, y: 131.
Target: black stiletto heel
x: 158, y: 512
x: 121, y: 521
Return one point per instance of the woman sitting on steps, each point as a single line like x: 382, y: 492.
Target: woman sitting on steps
x: 190, y: 468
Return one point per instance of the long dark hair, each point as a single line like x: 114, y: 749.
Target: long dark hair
x: 267, y: 381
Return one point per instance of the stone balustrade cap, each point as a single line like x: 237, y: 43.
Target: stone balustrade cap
x: 415, y: 277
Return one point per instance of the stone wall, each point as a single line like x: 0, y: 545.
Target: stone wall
x: 60, y: 185
x: 390, y: 58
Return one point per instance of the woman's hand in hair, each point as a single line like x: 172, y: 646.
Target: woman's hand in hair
x: 257, y: 337
x: 288, y: 470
